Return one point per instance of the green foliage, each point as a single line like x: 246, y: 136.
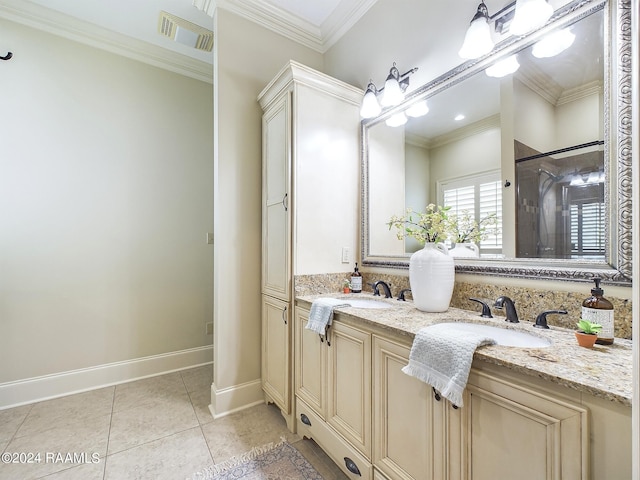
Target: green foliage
x: 431, y: 226
x: 436, y: 224
x: 465, y: 229
x: 587, y: 327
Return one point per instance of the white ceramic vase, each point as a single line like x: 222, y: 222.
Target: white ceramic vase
x: 431, y: 276
x: 465, y: 250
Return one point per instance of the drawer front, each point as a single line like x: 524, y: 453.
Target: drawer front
x: 347, y: 457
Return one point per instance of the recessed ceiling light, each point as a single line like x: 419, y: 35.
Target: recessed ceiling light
x: 459, y: 117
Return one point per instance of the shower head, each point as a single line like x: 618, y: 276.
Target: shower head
x: 553, y: 177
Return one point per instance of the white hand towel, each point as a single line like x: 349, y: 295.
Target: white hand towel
x: 441, y: 356
x: 321, y: 314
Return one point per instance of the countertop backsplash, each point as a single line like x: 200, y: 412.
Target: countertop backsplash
x: 529, y: 302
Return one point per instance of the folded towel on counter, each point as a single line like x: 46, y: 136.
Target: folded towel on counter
x: 321, y: 314
x: 441, y: 356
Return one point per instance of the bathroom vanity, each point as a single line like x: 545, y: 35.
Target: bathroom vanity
x: 529, y: 413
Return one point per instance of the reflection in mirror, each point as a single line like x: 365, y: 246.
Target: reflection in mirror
x: 518, y: 145
x: 558, y: 146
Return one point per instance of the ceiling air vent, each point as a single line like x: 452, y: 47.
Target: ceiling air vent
x: 185, y: 32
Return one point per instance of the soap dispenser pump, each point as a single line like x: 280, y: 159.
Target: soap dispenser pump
x: 597, y: 309
x: 356, y: 280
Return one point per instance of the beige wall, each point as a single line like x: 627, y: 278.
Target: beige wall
x: 247, y: 58
x: 106, y: 181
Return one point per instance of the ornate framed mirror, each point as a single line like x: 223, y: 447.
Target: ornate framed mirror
x: 551, y: 143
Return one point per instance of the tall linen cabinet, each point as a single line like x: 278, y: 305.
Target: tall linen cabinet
x: 310, y: 202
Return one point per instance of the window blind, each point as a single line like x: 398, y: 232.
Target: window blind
x: 480, y: 195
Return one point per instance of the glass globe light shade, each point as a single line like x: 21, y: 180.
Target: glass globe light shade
x: 530, y: 15
x: 477, y: 40
x: 396, y: 120
x: 418, y: 109
x: 370, y: 107
x: 553, y: 44
x: 504, y: 67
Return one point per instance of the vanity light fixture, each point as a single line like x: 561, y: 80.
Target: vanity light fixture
x: 553, y: 44
x: 392, y: 93
x: 477, y: 40
x: 580, y: 179
x: 418, y: 109
x: 396, y: 120
x: 530, y: 15
x: 517, y: 18
x: 370, y: 107
x: 503, y: 68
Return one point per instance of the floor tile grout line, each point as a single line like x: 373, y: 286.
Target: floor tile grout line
x: 198, y: 419
x: 13, y: 437
x: 106, y: 453
x: 151, y: 441
x: 198, y: 424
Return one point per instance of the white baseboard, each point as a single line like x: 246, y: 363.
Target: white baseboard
x: 21, y: 392
x: 229, y: 400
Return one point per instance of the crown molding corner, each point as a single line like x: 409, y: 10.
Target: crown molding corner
x: 294, y: 28
x: 65, y: 26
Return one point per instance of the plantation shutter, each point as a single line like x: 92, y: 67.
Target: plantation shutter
x: 587, y: 234
x: 481, y: 195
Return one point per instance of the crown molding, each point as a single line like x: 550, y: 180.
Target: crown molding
x: 571, y: 95
x: 481, y: 126
x: 318, y: 38
x: 207, y: 6
x: 345, y: 16
x: 59, y: 24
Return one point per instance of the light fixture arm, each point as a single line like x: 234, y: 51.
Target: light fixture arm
x: 395, y: 84
x: 482, y: 12
x: 403, y: 79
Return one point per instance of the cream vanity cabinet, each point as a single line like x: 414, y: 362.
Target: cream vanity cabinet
x: 333, y: 390
x: 417, y: 434
x: 353, y: 399
x: 533, y: 435
x: 310, y: 193
x: 504, y: 430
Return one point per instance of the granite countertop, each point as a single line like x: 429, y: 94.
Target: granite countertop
x: 604, y: 371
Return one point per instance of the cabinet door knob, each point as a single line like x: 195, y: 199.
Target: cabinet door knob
x: 284, y: 315
x: 285, y: 202
x: 304, y: 419
x: 351, y: 466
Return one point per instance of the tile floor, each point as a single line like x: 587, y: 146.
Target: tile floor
x: 156, y: 428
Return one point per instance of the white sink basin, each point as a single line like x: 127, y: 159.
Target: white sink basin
x: 366, y: 303
x: 503, y: 336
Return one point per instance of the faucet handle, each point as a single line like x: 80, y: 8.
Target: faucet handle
x: 401, y: 294
x: 486, y: 311
x: 541, y: 320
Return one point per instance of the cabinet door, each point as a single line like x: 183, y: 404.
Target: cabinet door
x: 276, y: 338
x: 514, y: 432
x: 310, y: 364
x: 349, y: 385
x: 402, y: 416
x: 276, y: 179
